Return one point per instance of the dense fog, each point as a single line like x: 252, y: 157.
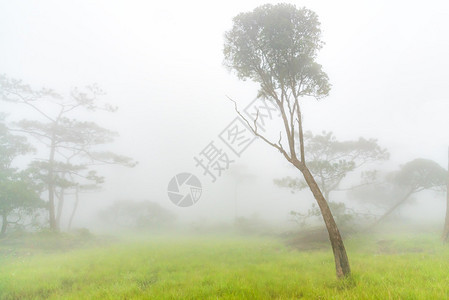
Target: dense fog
x: 161, y: 64
x: 224, y: 149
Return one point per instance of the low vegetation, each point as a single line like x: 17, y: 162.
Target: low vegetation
x: 412, y: 266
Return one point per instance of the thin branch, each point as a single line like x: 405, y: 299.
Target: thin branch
x: 254, y: 130
x: 27, y: 102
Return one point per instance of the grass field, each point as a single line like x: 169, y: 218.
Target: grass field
x: 225, y: 267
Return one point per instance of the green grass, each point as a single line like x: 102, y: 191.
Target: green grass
x: 409, y: 267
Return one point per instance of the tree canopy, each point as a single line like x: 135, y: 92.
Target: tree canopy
x: 71, y: 143
x: 330, y: 160
x: 276, y: 46
x: 398, y: 186
x: 19, y: 193
x: 420, y: 174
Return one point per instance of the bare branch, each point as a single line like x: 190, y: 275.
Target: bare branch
x: 254, y: 130
x: 28, y: 102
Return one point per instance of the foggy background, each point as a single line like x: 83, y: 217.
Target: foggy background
x: 161, y: 64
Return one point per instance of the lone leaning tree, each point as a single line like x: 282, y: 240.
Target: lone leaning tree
x: 276, y: 46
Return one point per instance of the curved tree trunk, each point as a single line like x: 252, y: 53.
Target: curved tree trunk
x: 341, y: 258
x: 391, y: 210
x: 75, y: 207
x: 60, y: 207
x: 51, y: 188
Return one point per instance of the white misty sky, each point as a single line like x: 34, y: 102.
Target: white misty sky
x: 161, y: 63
